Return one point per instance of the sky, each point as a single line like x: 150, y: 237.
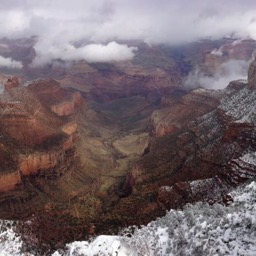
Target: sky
x: 93, y: 30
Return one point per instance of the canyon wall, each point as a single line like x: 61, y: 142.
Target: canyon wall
x: 117, y: 144
x: 36, y: 138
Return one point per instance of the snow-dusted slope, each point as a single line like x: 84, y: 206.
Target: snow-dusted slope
x: 10, y: 241
x: 241, y: 105
x: 198, y: 229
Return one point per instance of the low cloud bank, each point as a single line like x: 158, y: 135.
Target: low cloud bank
x: 10, y: 63
x: 226, y: 72
x: 91, y: 52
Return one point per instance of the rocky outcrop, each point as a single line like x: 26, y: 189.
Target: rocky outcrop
x: 252, y: 75
x: 9, y: 181
x: 178, y: 111
x: 208, y: 190
x: 69, y: 106
x: 52, y: 96
x: 69, y: 128
x: 11, y: 83
x: 201, y: 160
x: 34, y: 137
x: 38, y: 161
x: 229, y: 50
x: 110, y: 84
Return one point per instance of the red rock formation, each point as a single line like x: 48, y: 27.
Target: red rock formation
x: 69, y: 106
x: 69, y: 128
x: 201, y: 160
x: 38, y: 161
x: 8, y: 181
x: 230, y: 50
x: 40, y: 138
x: 11, y: 83
x: 178, y: 112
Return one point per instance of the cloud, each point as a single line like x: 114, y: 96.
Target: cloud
x: 63, y: 24
x: 218, y: 52
x: 110, y: 52
x: 157, y: 21
x: 91, y: 52
x: 10, y: 63
x: 226, y: 72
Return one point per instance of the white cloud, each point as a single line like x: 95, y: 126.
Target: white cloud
x: 217, y: 52
x: 10, y: 63
x: 91, y: 52
x: 14, y: 23
x: 104, y: 53
x: 226, y: 72
x: 156, y: 21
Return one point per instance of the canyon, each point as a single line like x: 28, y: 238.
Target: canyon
x: 94, y: 147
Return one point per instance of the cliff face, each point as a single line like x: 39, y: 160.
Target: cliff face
x: 33, y: 163
x: 229, y: 50
x: 34, y: 138
x: 201, y: 160
x: 8, y: 181
x: 111, y: 82
x: 252, y: 75
x: 178, y: 110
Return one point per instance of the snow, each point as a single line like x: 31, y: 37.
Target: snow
x: 102, y: 245
x: 241, y: 106
x: 197, y: 229
x: 249, y: 158
x: 10, y: 242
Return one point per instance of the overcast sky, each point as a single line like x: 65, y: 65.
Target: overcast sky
x: 100, y: 23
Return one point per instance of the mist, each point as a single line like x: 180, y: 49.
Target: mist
x: 10, y: 63
x: 226, y: 72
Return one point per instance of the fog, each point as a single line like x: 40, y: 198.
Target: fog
x: 226, y: 72
x: 9, y: 63
x: 60, y: 24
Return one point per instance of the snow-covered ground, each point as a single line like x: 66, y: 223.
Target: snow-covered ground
x: 10, y: 242
x: 241, y: 106
x: 198, y: 229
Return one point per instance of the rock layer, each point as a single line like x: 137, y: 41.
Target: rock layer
x: 214, y: 151
x: 252, y: 75
x: 34, y: 138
